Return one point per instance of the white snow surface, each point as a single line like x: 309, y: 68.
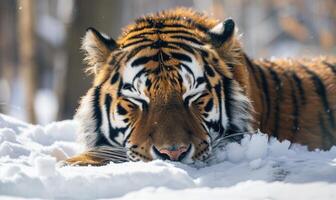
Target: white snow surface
x: 258, y: 168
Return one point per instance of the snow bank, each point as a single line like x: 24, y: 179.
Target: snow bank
x: 258, y: 168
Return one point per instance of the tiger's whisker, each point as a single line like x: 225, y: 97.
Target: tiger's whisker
x: 113, y: 154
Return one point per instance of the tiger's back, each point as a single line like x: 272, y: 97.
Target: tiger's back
x: 295, y: 99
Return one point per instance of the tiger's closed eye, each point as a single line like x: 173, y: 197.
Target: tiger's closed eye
x: 135, y: 101
x: 194, y: 98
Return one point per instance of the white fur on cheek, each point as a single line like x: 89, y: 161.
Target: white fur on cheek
x: 139, y: 83
x: 87, y: 123
x: 197, y: 70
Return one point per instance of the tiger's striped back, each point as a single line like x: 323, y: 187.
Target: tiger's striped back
x: 298, y: 99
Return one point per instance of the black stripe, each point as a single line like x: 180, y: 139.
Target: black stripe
x: 296, y: 108
x: 154, y: 32
x: 112, y: 134
x: 160, y: 56
x: 116, y: 131
x: 154, y: 45
x: 132, y: 53
x: 227, y: 83
x: 121, y: 84
x: 209, y: 70
x: 141, y: 72
x: 215, y: 125
x: 169, y: 46
x: 199, y: 81
x: 151, y: 26
x: 298, y: 84
x: 267, y: 99
x: 115, y: 62
x: 159, y: 44
x: 160, y: 23
x: 197, y: 25
x: 148, y: 84
x: 141, y: 101
x: 278, y: 100
x: 253, y: 70
x: 327, y: 137
x: 114, y: 78
x: 190, y: 39
x: 131, y: 104
x: 128, y: 86
x: 114, y: 58
x: 322, y: 93
x: 178, y: 32
x: 203, y: 53
x: 97, y: 116
x: 186, y: 67
x: 181, y: 56
x: 229, y: 106
x: 208, y: 107
x: 127, y: 137
x: 152, y: 23
x: 331, y: 66
x: 142, y: 60
x: 187, y: 100
x: 183, y: 46
x: 218, y: 90
x: 205, y: 115
x: 178, y: 80
x: 136, y: 42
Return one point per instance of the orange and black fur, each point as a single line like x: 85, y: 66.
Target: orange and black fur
x: 177, y: 85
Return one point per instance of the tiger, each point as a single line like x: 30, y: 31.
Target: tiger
x: 177, y: 85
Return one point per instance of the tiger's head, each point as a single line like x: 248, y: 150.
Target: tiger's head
x: 173, y: 86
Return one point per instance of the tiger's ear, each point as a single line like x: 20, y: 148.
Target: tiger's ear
x: 222, y: 33
x: 97, y: 47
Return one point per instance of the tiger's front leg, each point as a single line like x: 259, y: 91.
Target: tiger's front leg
x: 98, y: 156
x: 85, y: 159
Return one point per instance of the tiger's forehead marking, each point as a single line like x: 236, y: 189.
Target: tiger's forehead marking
x: 179, y: 18
x: 171, y: 71
x: 165, y: 49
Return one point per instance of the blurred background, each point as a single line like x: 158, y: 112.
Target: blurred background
x: 41, y: 71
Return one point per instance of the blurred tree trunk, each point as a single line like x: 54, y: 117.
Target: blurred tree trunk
x: 28, y: 68
x: 86, y: 14
x: 7, y: 51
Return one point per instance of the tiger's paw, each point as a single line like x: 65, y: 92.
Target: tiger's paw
x: 84, y: 159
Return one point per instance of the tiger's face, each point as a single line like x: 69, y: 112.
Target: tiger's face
x: 168, y: 106
x: 158, y: 93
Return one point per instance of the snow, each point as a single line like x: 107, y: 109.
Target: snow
x: 258, y: 168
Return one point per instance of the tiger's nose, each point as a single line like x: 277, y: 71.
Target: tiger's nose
x: 174, y: 152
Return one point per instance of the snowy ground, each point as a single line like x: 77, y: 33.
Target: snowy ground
x: 256, y: 169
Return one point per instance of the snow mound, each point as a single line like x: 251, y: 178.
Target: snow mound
x: 258, y: 168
